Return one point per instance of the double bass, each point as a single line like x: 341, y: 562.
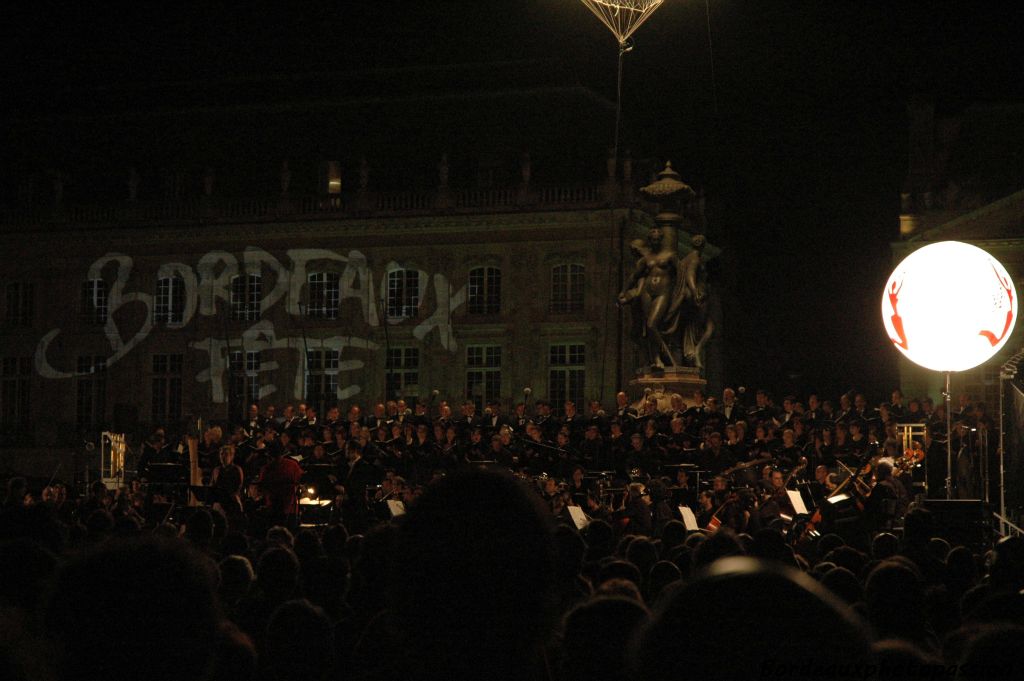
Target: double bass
x: 852, y: 485
x: 195, y: 474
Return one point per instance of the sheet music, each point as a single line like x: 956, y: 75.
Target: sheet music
x: 689, y: 519
x: 797, y: 501
x: 578, y: 517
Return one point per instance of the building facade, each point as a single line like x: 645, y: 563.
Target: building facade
x: 132, y: 323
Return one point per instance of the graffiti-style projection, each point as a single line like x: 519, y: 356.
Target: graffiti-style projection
x: 207, y: 292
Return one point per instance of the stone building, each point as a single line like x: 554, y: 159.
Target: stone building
x: 465, y: 241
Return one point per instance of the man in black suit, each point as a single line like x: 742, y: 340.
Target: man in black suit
x: 493, y: 419
x: 598, y: 417
x: 626, y: 415
x: 254, y: 423
x: 378, y: 418
x: 813, y: 414
x: 573, y: 421
x: 356, y: 474
x: 291, y: 422
x: 543, y: 419
x: 732, y: 410
x: 468, y: 420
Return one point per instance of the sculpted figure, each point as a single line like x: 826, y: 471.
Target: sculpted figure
x: 669, y: 295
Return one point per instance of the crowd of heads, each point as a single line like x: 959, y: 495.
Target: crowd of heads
x: 483, y: 577
x: 478, y: 579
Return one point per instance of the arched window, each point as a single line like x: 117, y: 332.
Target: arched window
x: 567, y: 288
x: 246, y: 290
x: 484, y: 290
x: 170, y: 300
x: 403, y: 294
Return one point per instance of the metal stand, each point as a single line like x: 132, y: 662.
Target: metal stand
x: 1007, y: 372
x: 949, y: 437
x: 982, y: 453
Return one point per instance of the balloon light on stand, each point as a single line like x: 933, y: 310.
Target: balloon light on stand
x: 949, y: 306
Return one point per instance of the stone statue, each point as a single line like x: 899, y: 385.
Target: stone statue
x: 697, y: 323
x: 669, y: 293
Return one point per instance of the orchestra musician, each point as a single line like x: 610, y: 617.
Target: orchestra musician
x: 318, y: 472
x: 277, y: 483
x: 887, y: 501
x: 635, y: 514
x: 728, y: 510
x: 228, y: 479
x: 579, y: 488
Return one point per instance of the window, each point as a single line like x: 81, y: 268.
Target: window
x: 244, y: 368
x: 483, y: 374
x: 403, y: 294
x: 15, y: 377
x: 94, y: 302
x: 170, y: 301
x: 92, y: 391
x: 166, y: 388
x: 333, y: 177
x: 20, y: 301
x: 484, y: 290
x: 324, y: 294
x: 567, y: 288
x: 402, y: 372
x: 322, y: 379
x: 246, y: 290
x: 566, y: 374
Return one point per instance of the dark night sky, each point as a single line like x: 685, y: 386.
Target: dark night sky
x: 802, y: 160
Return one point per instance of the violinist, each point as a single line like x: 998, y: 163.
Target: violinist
x: 705, y: 508
x: 887, y: 500
x: 726, y: 505
x: 635, y: 514
x: 825, y: 479
x: 775, y: 501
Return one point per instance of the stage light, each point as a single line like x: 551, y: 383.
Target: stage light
x: 949, y: 306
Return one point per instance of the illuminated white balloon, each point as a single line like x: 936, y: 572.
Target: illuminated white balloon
x: 949, y: 306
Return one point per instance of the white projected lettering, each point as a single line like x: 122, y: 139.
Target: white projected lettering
x: 207, y: 292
